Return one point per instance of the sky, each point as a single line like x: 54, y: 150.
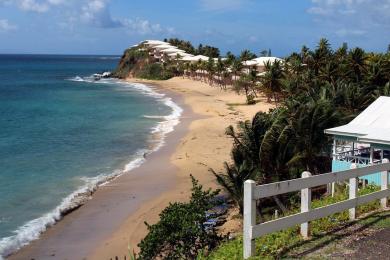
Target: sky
x: 110, y: 26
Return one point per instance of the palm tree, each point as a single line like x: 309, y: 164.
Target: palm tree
x: 210, y: 68
x: 245, y: 84
x: 219, y: 69
x: 307, y: 127
x: 247, y: 55
x: 230, y: 58
x: 233, y: 181
x: 236, y: 68
x: 272, y: 80
x: 357, y: 63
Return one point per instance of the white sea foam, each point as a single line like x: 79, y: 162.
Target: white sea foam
x: 154, y: 117
x: 83, y: 79
x: 34, y: 228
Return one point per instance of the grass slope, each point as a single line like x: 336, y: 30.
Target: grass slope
x: 325, y: 232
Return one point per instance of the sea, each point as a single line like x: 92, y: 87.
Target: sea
x: 63, y: 134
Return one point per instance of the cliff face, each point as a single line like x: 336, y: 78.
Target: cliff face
x: 137, y: 63
x: 132, y: 61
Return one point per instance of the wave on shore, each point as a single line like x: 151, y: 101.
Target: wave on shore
x: 33, y: 229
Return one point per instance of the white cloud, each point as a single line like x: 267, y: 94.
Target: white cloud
x: 6, y: 26
x: 221, y: 5
x: 253, y: 39
x: 351, y: 17
x: 346, y: 32
x: 142, y: 26
x: 94, y: 13
x: 34, y: 6
x: 145, y: 27
x: 39, y: 6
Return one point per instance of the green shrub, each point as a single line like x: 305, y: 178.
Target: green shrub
x: 154, y: 71
x: 180, y: 233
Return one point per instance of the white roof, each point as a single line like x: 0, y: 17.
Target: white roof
x: 163, y: 46
x: 154, y: 42
x: 261, y: 61
x: 249, y: 63
x: 201, y: 57
x: 195, y: 58
x: 188, y: 58
x: 171, y: 50
x: 371, y: 126
x: 181, y: 54
x: 222, y: 59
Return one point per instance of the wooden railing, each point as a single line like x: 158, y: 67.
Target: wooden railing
x: 253, y: 193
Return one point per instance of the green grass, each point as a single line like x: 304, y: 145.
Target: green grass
x: 287, y: 243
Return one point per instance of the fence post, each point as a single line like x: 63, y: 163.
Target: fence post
x: 305, y: 206
x: 249, y: 218
x: 384, y: 184
x: 353, y: 189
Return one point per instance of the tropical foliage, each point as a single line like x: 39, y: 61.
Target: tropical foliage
x: 180, y: 232
x: 205, y: 50
x: 314, y: 90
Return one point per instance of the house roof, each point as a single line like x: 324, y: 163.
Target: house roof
x: 195, y: 58
x: 153, y: 42
x: 163, y: 46
x: 249, y: 63
x: 370, y: 126
x: 171, y: 50
x: 180, y: 53
x: 261, y: 61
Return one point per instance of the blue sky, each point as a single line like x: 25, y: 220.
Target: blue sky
x: 109, y: 26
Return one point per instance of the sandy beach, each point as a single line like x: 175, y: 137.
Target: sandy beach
x: 114, y: 218
x: 204, y: 146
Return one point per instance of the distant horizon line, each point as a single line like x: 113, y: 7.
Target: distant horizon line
x: 60, y: 54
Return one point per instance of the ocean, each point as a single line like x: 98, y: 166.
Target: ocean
x: 63, y: 134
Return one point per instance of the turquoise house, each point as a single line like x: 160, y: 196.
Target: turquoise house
x: 363, y: 141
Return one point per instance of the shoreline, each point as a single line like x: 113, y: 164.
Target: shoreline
x: 204, y: 146
x: 33, y: 229
x: 117, y: 211
x: 126, y: 190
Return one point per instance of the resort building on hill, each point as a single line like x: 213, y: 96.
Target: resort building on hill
x: 163, y: 51
x: 363, y: 141
x: 259, y: 63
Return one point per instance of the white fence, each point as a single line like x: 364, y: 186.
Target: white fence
x: 253, y: 193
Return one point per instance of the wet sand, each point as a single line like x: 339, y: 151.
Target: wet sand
x: 114, y: 218
x: 80, y: 232
x: 204, y: 146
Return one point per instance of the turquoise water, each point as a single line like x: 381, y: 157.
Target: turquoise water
x: 61, y: 132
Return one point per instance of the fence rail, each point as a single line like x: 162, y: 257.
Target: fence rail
x: 253, y: 193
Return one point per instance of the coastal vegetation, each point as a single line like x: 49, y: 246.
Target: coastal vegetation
x: 287, y: 244
x: 180, y: 233
x: 205, y: 50
x: 137, y: 63
x: 312, y: 90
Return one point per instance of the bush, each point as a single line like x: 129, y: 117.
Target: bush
x: 130, y: 59
x: 154, y: 71
x: 180, y: 233
x: 250, y: 99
